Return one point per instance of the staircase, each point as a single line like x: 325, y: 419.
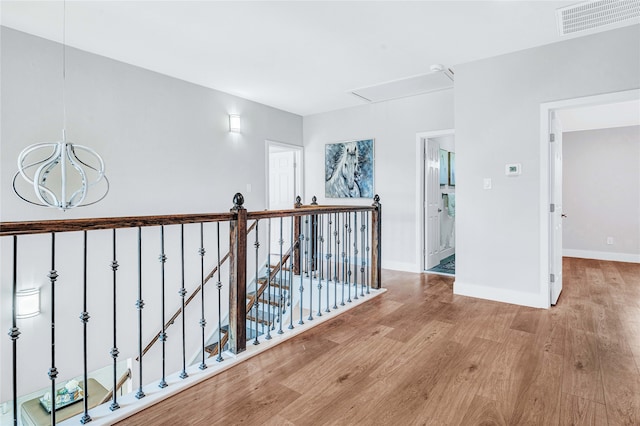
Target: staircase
x: 271, y: 295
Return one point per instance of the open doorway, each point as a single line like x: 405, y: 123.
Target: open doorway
x: 554, y: 215
x: 438, y: 201
x: 284, y: 184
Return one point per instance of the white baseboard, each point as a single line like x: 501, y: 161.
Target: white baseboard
x: 401, y: 266
x: 602, y: 255
x: 534, y: 300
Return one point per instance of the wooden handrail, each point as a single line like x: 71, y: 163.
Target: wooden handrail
x: 190, y: 298
x: 123, y: 379
x: 89, y: 224
x: 306, y: 210
x: 72, y: 225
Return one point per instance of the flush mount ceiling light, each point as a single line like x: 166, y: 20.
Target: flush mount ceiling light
x: 27, y: 303
x: 59, y: 175
x: 591, y: 15
x: 234, y: 123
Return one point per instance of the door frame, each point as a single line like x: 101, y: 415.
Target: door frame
x: 545, y: 171
x: 421, y: 139
x: 299, y: 171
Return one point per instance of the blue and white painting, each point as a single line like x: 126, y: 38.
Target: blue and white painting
x: 348, y: 169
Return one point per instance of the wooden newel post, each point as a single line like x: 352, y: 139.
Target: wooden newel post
x: 376, y: 244
x: 238, y: 277
x: 296, y: 233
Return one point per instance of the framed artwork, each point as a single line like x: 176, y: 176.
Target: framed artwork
x: 348, y: 169
x: 444, y: 167
x: 452, y: 169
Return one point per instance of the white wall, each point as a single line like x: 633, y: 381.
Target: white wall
x: 167, y: 150
x: 393, y: 125
x: 497, y: 111
x: 601, y: 193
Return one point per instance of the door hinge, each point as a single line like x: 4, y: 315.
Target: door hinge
x: 552, y: 208
x: 552, y: 278
x: 552, y: 137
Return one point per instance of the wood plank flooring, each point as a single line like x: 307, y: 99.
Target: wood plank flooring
x: 419, y: 355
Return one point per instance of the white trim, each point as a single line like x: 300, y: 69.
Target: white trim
x: 504, y: 295
x: 299, y: 167
x: 421, y: 137
x: 602, y: 255
x: 545, y: 110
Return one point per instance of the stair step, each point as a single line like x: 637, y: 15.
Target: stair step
x: 274, y: 283
x: 263, y: 316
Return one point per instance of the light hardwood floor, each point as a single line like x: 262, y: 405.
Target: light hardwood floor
x: 420, y: 355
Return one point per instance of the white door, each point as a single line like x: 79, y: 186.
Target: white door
x: 432, y: 204
x: 555, y: 209
x: 283, y: 187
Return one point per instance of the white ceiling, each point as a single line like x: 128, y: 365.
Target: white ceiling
x: 300, y: 56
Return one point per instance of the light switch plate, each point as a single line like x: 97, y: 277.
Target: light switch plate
x: 487, y: 183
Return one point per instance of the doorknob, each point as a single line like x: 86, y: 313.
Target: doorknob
x: 439, y: 210
x: 563, y: 215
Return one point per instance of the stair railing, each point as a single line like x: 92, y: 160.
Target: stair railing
x: 325, y: 240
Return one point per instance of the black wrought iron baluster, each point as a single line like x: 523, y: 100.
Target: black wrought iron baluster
x: 84, y: 318
x: 363, y: 259
x: 368, y: 270
x: 256, y: 300
x: 280, y: 280
x: 219, y: 286
x: 355, y: 255
x: 14, y: 332
x: 320, y: 265
x: 140, y: 305
x: 269, y: 319
x: 336, y: 261
x: 163, y: 334
x: 310, y: 262
x: 183, y: 292
x: 328, y: 258
x: 203, y: 321
x: 291, y: 257
x: 348, y: 256
x: 301, y: 262
x: 114, y: 350
x: 53, y: 371
x: 345, y: 244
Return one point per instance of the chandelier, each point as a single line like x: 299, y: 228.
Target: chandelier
x: 61, y: 173
x: 61, y: 179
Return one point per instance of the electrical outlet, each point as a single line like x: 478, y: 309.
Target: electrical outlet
x: 609, y: 240
x: 487, y: 183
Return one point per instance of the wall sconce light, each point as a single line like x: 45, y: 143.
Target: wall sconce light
x: 234, y: 123
x: 28, y: 303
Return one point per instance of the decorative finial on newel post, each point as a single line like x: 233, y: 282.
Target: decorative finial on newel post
x: 238, y: 201
x: 298, y: 203
x: 376, y: 201
x: 314, y: 201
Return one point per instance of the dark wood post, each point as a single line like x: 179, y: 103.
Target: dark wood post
x: 238, y: 277
x: 296, y: 233
x: 376, y: 244
x: 314, y: 237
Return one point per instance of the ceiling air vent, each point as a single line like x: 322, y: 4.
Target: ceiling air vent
x: 592, y: 15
